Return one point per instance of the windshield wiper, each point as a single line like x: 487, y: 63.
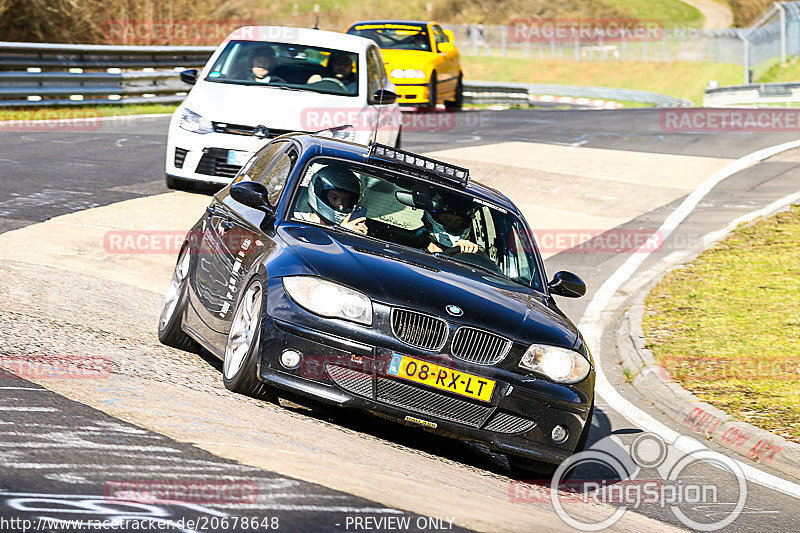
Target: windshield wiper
x: 464, y: 262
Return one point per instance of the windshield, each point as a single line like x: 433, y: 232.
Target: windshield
x: 410, y: 212
x: 293, y: 66
x: 395, y: 36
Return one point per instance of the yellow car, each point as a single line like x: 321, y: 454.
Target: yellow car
x: 421, y: 60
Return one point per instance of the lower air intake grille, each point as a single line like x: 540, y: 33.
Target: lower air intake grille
x: 480, y: 347
x: 214, y: 162
x: 504, y: 422
x: 351, y: 380
x: 431, y: 403
x: 180, y: 157
x: 422, y: 331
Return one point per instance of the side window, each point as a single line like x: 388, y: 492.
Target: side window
x: 260, y: 162
x: 375, y: 73
x: 275, y: 178
x: 439, y: 35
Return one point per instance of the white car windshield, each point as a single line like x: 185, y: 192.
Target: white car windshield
x: 293, y: 66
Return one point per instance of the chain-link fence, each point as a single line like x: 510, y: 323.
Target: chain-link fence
x: 774, y: 37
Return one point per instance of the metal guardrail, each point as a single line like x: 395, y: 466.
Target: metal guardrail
x: 753, y: 94
x: 514, y: 92
x: 34, y: 74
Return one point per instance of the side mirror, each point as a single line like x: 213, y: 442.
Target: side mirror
x: 189, y: 76
x: 446, y: 48
x: 252, y: 194
x: 567, y: 284
x: 383, y: 97
x: 450, y: 35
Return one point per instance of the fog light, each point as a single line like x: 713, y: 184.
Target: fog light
x: 559, y: 434
x: 291, y: 359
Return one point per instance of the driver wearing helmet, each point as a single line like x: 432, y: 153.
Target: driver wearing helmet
x: 447, y: 224
x: 332, y: 193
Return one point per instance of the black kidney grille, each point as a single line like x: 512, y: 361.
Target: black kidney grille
x: 480, y: 347
x: 351, y: 380
x: 419, y: 330
x: 504, y: 422
x: 431, y: 403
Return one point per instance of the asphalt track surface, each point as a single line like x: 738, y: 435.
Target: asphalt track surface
x: 49, y: 173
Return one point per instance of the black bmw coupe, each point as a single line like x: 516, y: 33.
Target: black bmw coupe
x: 382, y: 280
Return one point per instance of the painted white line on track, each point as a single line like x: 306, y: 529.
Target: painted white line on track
x: 29, y: 409
x: 591, y: 324
x: 22, y: 388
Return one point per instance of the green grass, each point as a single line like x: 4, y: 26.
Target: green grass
x: 727, y: 325
x: 683, y: 80
x: 670, y: 12
x: 789, y: 71
x: 61, y: 113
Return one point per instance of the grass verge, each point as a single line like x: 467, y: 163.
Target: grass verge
x: 683, y: 80
x: 727, y: 325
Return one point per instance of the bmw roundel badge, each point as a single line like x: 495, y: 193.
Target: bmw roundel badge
x: 454, y: 310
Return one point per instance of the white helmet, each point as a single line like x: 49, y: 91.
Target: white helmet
x: 328, y: 178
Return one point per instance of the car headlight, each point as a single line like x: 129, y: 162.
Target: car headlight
x: 559, y: 364
x: 191, y: 121
x: 329, y: 299
x: 407, y: 73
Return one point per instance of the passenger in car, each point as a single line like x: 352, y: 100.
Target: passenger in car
x: 332, y: 193
x: 446, y: 224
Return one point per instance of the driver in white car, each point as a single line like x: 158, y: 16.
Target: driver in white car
x: 340, y: 68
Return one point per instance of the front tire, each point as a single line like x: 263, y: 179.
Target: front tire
x: 458, y: 103
x: 169, y: 323
x: 240, y: 365
x: 432, y: 93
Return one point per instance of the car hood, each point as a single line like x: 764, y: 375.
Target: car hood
x: 408, y: 59
x: 253, y: 105
x: 402, y: 278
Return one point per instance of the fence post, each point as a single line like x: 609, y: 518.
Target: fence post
x: 783, y: 31
x: 503, y: 37
x: 743, y: 36
x: 624, y: 45
x: 577, y: 48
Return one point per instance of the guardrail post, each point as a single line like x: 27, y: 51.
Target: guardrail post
x: 503, y: 38
x: 577, y: 47
x: 783, y: 30
x: 746, y: 58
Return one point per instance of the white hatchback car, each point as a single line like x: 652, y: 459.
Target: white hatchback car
x: 264, y: 81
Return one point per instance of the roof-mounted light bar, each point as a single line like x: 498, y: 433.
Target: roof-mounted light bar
x: 450, y: 173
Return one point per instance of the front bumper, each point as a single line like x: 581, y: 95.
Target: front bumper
x: 412, y: 93
x: 339, y: 370
x: 203, y: 158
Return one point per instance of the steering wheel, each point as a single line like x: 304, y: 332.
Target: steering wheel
x: 332, y: 80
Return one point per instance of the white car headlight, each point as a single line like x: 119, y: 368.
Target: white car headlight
x: 329, y: 299
x: 559, y: 364
x: 398, y: 73
x: 413, y: 73
x: 191, y: 121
